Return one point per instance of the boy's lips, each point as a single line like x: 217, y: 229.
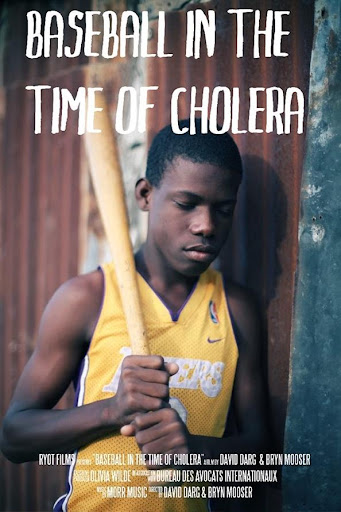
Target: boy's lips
x: 201, y: 252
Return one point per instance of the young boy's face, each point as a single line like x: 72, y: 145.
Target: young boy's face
x: 190, y: 215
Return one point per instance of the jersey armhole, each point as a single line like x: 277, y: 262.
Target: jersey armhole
x: 76, y: 379
x: 98, y: 321
x: 231, y: 427
x: 233, y: 323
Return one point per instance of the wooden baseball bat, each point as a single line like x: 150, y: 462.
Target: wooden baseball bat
x: 108, y: 185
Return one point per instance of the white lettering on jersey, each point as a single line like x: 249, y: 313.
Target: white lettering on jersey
x: 176, y: 404
x: 192, y: 374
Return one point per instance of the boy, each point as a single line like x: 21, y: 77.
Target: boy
x: 175, y: 402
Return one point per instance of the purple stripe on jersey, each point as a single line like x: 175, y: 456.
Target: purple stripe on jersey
x: 76, y: 382
x: 233, y: 323
x: 62, y: 503
x: 230, y: 422
x: 76, y: 378
x: 173, y: 314
x: 57, y: 507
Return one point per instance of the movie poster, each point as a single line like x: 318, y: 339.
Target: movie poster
x: 243, y: 67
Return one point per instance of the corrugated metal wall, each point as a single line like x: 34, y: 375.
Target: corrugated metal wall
x: 40, y: 197
x: 40, y: 201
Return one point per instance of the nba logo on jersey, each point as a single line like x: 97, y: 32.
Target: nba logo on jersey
x: 213, y: 312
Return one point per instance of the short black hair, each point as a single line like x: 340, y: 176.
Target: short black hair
x: 217, y: 149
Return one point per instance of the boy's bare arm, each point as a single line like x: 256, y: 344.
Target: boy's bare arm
x: 164, y: 432
x: 31, y: 426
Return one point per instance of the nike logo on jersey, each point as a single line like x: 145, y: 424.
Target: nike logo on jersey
x: 214, y: 341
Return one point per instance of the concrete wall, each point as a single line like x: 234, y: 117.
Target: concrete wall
x: 314, y: 413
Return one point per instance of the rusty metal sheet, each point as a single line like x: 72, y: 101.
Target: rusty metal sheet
x: 39, y: 250
x: 17, y: 67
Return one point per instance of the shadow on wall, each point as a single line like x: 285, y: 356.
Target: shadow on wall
x: 255, y: 257
x: 262, y: 220
x: 250, y: 256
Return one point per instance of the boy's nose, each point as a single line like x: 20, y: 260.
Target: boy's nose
x: 203, y: 223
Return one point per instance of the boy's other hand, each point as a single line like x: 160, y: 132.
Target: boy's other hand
x: 160, y: 431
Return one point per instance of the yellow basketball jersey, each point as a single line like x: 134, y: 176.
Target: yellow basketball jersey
x: 107, y: 475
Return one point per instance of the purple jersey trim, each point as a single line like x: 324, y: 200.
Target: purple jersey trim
x: 58, y: 506
x: 230, y: 422
x: 233, y: 323
x: 76, y: 378
x: 173, y: 314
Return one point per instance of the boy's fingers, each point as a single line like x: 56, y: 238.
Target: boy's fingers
x: 128, y: 430
x: 153, y: 362
x: 147, y: 374
x: 172, y: 368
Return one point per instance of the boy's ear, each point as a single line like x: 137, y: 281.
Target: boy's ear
x: 143, y: 190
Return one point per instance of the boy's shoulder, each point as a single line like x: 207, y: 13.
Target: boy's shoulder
x: 241, y: 301
x: 83, y: 288
x: 76, y: 303
x: 238, y: 293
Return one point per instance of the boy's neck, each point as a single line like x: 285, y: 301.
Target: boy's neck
x: 171, y: 286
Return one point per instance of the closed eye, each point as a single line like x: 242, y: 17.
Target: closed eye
x: 225, y: 208
x: 225, y: 211
x: 185, y: 206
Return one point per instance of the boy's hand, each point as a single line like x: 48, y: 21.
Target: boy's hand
x: 143, y: 387
x: 159, y: 431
